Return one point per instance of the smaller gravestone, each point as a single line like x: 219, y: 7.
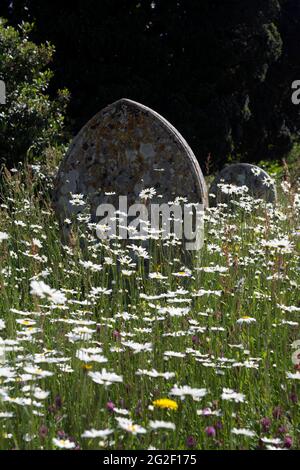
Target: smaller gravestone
x: 240, y: 179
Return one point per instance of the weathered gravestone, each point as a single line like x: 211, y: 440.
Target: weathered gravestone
x: 124, y: 149
x: 240, y: 175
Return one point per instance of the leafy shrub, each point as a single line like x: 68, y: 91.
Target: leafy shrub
x: 30, y: 121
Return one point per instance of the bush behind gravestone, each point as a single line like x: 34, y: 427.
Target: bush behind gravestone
x: 30, y: 122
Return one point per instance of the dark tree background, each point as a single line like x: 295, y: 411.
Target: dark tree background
x: 220, y: 71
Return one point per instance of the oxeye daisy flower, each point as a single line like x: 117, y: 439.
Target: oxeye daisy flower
x: 105, y: 378
x: 295, y: 376
x: 147, y: 193
x: 129, y: 426
x: 268, y: 181
x: 138, y: 347
x: 195, y: 393
x: 162, y: 425
x: 233, y: 189
x: 246, y: 319
x: 157, y: 275
x: 63, y: 443
x: 243, y: 432
x: 282, y: 244
x: 37, y: 371
x: 165, y: 403
x: 184, y: 273
x: 77, y: 200
x: 208, y: 412
x: 93, y: 433
x: 256, y: 171
x: 231, y: 395
x: 3, y: 236
x: 139, y: 251
x: 155, y: 374
x: 42, y: 290
x: 275, y: 441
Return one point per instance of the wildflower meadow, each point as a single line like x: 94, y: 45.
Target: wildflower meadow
x: 106, y: 344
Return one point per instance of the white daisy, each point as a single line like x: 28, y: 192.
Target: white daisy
x: 63, y: 443
x: 243, y: 432
x: 129, y: 426
x: 93, y: 433
x: 162, y: 425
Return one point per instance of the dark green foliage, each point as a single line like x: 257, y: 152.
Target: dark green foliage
x: 29, y: 121
x: 275, y: 122
x: 220, y: 71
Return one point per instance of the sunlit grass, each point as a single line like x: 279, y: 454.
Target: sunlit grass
x: 210, y: 336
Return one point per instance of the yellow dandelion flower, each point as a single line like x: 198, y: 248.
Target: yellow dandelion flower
x: 166, y: 403
x: 87, y: 367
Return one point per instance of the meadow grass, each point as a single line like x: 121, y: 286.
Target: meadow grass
x: 101, y: 348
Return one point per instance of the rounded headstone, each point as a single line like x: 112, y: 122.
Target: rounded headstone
x: 122, y: 150
x: 260, y: 185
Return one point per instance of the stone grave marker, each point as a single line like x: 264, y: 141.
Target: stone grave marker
x: 260, y: 185
x: 122, y: 150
